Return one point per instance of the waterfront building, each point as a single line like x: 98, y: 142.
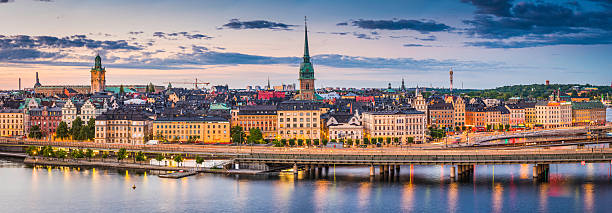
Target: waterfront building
x: 299, y: 119
x: 87, y: 110
x: 395, y: 123
x: 419, y: 102
x: 307, y: 87
x: 475, y: 115
x: 441, y: 115
x: 588, y: 113
x: 344, y: 126
x: 517, y: 114
x: 12, y: 122
x: 262, y: 117
x: 47, y: 118
x: 493, y: 117
x: 553, y: 114
x: 122, y: 126
x: 206, y: 129
x: 459, y: 110
x: 530, y: 113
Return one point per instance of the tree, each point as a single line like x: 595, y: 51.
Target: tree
x: 308, y: 142
x: 35, y: 132
x: 47, y: 151
x: 357, y: 142
x: 199, y: 160
x: 89, y: 154
x: 507, y: 126
x: 150, y: 88
x: 366, y: 141
x: 388, y: 141
x: 62, y: 130
x: 178, y: 159
x: 237, y: 134
x: 104, y: 155
x: 463, y: 128
x: 333, y: 141
x: 324, y: 141
x: 457, y: 128
x: 76, y: 154
x: 91, y: 128
x: 159, y: 158
x: 396, y: 140
x: 76, y: 128
x: 488, y: 127
x: 410, y: 140
x: 83, y: 133
x: 284, y: 142
x: 292, y: 142
x: 140, y: 156
x: 31, y: 150
x: 122, y: 154
x: 300, y: 142
x: 61, y: 154
x: 349, y: 141
x: 315, y: 142
x: 255, y: 136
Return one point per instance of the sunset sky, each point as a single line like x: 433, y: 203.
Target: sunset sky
x: 353, y: 43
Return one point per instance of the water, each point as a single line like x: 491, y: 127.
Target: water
x: 609, y: 114
x: 500, y: 188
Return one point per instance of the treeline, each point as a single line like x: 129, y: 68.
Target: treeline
x: 538, y: 91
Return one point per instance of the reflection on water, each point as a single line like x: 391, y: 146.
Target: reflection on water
x: 571, y: 187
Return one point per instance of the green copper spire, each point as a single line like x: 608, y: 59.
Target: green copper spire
x: 306, y: 52
x: 306, y: 69
x: 98, y: 62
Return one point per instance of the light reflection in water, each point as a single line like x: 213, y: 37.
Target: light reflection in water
x: 524, y: 172
x: 408, y: 196
x: 498, y: 197
x: 543, y: 205
x: 453, y: 193
x: 588, y: 197
x: 321, y: 191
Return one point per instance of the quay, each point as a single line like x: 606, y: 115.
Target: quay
x: 179, y: 174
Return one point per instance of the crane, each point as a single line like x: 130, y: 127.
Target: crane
x: 195, y: 83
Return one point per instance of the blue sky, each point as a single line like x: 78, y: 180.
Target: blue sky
x: 354, y: 43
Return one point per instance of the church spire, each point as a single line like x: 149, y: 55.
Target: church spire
x: 98, y: 63
x: 306, y: 52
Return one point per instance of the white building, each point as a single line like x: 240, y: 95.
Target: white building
x: 395, y: 124
x: 345, y: 126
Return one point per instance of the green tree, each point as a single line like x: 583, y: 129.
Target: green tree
x: 316, y: 142
x: 140, y: 157
x: 237, y: 134
x: 199, y: 160
x: 62, y: 130
x: 507, y: 127
x: 366, y: 141
x: 349, y: 141
x: 83, y: 133
x: 178, y: 159
x: 292, y: 142
x: 410, y: 140
x: 388, y: 140
x: 61, y: 154
x: 324, y: 141
x: 284, y: 142
x: 300, y: 142
x: 91, y: 128
x: 255, y: 136
x: 357, y: 142
x: 488, y: 127
x: 308, y: 142
x: 122, y: 154
x: 89, y: 154
x: 35, y: 132
x: 396, y: 140
x: 159, y: 158
x: 76, y: 128
x: 32, y: 150
x: 104, y: 156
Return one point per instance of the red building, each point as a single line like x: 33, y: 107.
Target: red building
x: 267, y: 95
x: 46, y: 118
x: 364, y: 98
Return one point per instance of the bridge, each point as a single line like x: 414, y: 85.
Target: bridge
x: 388, y: 160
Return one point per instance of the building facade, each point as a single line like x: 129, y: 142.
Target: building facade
x: 345, y: 126
x: 122, y: 126
x: 441, y: 115
x: 207, y: 129
x: 47, y: 118
x: 392, y: 124
x: 588, y: 113
x: 262, y: 117
x: 299, y: 120
x: 12, y: 122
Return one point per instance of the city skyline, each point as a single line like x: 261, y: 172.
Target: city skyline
x: 487, y: 45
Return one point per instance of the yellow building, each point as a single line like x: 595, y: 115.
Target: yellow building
x: 11, y: 122
x: 193, y: 129
x: 588, y: 113
x: 299, y: 120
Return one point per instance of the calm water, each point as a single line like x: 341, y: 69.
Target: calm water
x: 572, y: 188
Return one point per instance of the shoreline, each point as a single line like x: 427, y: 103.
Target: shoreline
x: 32, y: 161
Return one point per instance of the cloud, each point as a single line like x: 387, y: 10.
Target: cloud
x: 366, y: 36
x: 413, y: 45
x: 422, y: 26
x: 531, y: 24
x: 257, y: 24
x: 26, y: 54
x: 175, y: 35
x: 7, y: 1
x: 428, y: 38
x: 136, y: 32
x: 24, y: 41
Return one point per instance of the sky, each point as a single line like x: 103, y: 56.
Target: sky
x: 353, y: 43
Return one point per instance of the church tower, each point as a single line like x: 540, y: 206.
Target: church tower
x: 98, y: 76
x: 307, y: 89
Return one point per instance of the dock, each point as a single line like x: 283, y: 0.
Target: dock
x: 177, y: 175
